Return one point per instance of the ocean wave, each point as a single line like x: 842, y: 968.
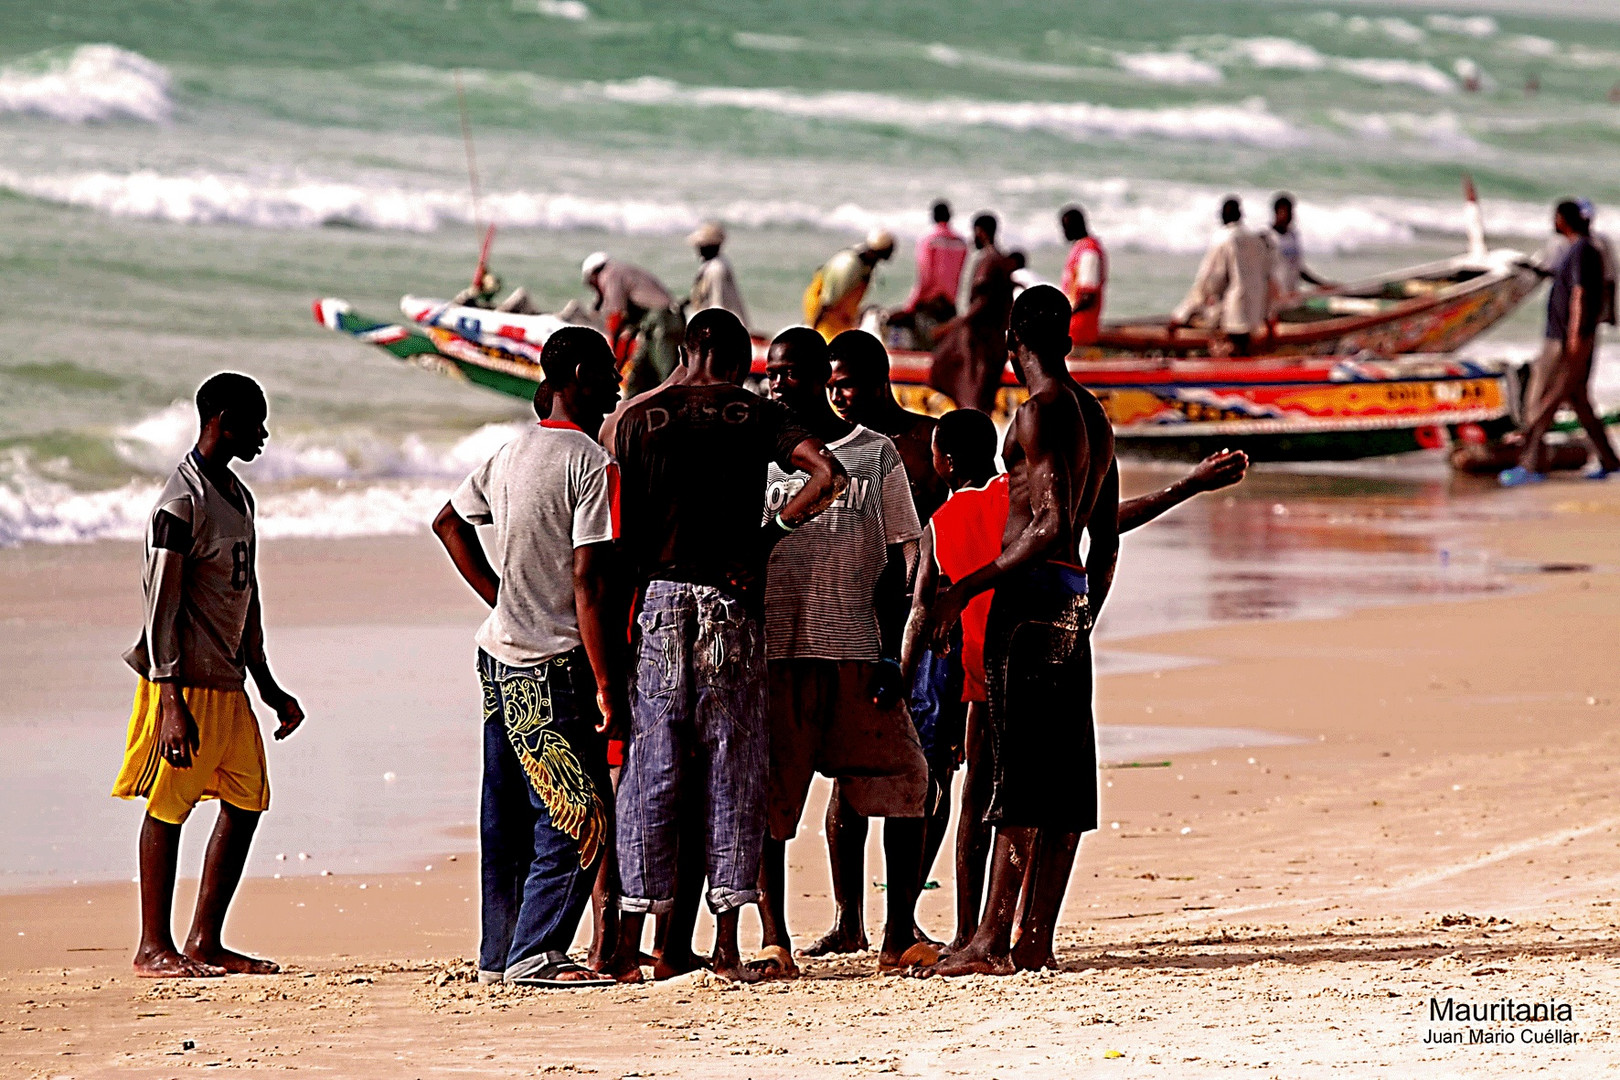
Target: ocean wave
x: 1248, y: 123
x: 1176, y: 68
x: 1474, y: 26
x: 154, y: 443
x: 307, y: 485
x: 572, y: 10
x: 86, y: 84
x: 1441, y: 129
x: 1281, y: 53
x: 39, y: 511
x: 1134, y: 214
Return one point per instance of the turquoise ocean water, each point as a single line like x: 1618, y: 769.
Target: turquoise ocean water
x: 179, y: 180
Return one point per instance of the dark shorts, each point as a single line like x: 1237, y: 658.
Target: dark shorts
x: 1038, y: 672
x: 823, y: 720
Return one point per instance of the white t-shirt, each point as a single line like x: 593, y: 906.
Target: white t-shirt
x: 548, y: 491
x: 819, y: 589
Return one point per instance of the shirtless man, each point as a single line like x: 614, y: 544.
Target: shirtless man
x: 964, y: 535
x: 1062, y: 482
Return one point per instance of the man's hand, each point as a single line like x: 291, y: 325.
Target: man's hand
x: 946, y: 614
x: 615, y: 712
x: 289, y: 712
x: 1219, y: 470
x: 177, y: 730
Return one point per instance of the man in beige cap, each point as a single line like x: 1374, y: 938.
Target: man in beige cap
x: 832, y: 303
x: 715, y: 285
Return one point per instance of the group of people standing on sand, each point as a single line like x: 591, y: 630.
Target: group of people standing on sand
x: 700, y: 597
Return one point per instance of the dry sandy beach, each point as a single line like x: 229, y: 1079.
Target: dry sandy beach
x: 1448, y: 828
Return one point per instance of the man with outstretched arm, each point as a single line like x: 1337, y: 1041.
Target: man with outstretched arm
x: 1062, y: 482
x: 962, y: 536
x: 694, y: 459
x: 192, y: 733
x: 549, y: 659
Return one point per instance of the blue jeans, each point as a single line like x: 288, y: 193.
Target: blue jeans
x: 544, y: 822
x: 697, y: 701
x: 937, y: 708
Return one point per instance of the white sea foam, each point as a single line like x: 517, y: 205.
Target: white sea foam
x: 1475, y: 26
x: 86, y: 84
x: 1280, y: 53
x: 306, y: 484
x: 1141, y: 215
x: 1176, y: 68
x: 1442, y: 129
x: 1531, y: 45
x: 1400, y: 30
x: 1392, y: 72
x: 1249, y: 122
x: 572, y: 10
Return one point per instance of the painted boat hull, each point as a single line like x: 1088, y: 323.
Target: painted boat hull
x: 1276, y: 409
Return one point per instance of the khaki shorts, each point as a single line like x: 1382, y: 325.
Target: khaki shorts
x: 823, y: 720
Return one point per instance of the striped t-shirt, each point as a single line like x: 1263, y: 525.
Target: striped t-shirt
x: 819, y: 590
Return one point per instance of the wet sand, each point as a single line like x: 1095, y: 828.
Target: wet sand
x: 1446, y: 828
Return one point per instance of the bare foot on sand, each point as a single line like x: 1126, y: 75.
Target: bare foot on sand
x: 838, y: 940
x: 1027, y: 959
x: 671, y: 963
x: 736, y: 972
x: 621, y: 971
x: 233, y: 962
x: 169, y: 964
x: 970, y: 960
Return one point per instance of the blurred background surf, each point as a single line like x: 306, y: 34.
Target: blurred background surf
x: 179, y: 180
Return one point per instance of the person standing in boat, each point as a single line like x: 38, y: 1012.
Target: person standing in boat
x: 1085, y: 277
x: 941, y: 254
x: 638, y: 314
x: 1574, y: 309
x: 972, y: 350
x: 1291, y: 268
x: 1236, y: 282
x: 715, y: 285
x: 832, y: 303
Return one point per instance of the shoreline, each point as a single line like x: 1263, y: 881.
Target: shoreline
x: 1447, y: 830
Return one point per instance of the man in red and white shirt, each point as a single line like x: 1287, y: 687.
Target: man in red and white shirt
x: 1085, y: 277
x: 941, y: 254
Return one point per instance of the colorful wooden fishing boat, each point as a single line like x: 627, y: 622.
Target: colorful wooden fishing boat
x: 1433, y: 308
x: 1304, y: 408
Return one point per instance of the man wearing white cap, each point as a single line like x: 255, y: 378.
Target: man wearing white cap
x: 715, y: 285
x: 832, y: 303
x: 638, y: 314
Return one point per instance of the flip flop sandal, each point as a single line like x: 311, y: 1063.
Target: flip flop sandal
x: 774, y: 962
x: 920, y: 955
x: 557, y: 964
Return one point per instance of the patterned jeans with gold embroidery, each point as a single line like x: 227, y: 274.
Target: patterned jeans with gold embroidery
x: 544, y: 819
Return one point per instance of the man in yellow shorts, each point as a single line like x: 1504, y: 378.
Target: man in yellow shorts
x: 192, y: 735
x: 832, y: 303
